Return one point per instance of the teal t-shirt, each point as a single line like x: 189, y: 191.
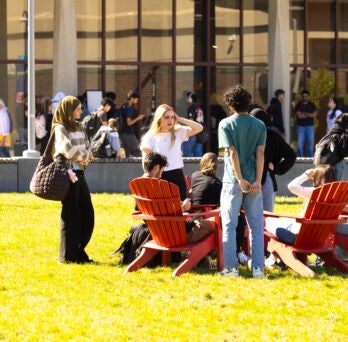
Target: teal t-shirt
x: 245, y: 133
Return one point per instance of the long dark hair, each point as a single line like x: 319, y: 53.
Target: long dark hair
x: 335, y: 101
x: 323, y: 174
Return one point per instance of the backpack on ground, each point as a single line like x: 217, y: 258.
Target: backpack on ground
x: 100, y: 145
x: 91, y: 123
x: 130, y: 248
x: 328, y: 150
x: 40, y: 126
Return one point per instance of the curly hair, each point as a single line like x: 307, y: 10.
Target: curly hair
x: 238, y: 98
x: 209, y: 164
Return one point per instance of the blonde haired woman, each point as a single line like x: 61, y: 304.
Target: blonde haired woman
x: 166, y: 136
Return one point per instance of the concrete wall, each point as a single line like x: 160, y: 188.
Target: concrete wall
x: 114, y: 175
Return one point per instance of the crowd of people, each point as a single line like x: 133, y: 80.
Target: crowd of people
x: 254, y: 153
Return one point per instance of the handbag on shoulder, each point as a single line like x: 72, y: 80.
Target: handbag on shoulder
x: 50, y: 180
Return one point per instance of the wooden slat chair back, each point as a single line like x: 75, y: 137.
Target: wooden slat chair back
x: 161, y: 199
x: 159, y: 206
x: 326, y: 202
x: 317, y: 232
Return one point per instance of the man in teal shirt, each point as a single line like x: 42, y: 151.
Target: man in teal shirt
x: 243, y: 138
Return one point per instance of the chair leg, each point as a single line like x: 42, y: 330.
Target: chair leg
x: 195, y: 255
x: 145, y: 256
x: 332, y: 260
x: 290, y: 258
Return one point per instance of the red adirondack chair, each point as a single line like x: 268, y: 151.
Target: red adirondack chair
x: 160, y: 207
x: 317, y: 233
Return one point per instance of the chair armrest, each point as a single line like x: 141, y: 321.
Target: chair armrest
x: 202, y: 207
x: 184, y: 217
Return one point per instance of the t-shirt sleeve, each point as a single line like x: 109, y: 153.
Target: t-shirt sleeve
x: 225, y: 139
x: 146, y: 142
x: 182, y: 133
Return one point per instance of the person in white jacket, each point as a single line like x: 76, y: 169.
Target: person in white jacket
x: 4, y: 130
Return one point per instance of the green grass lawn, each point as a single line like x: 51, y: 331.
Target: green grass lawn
x: 41, y: 300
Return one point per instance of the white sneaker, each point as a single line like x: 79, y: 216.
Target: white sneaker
x: 229, y: 272
x: 242, y: 258
x: 270, y: 261
x: 258, y: 273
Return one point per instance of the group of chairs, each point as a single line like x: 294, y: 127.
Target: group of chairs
x: 160, y: 207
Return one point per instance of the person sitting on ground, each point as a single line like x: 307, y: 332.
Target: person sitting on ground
x: 286, y: 229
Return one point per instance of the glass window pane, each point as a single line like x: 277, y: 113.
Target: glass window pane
x: 44, y: 29
x: 256, y: 82
x: 342, y: 32
x: 190, y: 23
x: 121, y: 30
x: 321, y: 32
x: 184, y: 83
x: 155, y: 87
x: 296, y: 31
x: 88, y: 25
x: 255, y: 27
x: 157, y: 30
x: 15, y: 30
x: 225, y: 77
x: 121, y: 79
x: 343, y: 88
x: 89, y: 78
x: 227, y: 32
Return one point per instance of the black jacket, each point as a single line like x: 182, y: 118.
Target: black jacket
x: 278, y: 152
x: 276, y: 115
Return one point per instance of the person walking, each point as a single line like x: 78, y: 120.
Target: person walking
x: 243, y: 139
x: 77, y: 216
x: 129, y: 140
x: 276, y: 112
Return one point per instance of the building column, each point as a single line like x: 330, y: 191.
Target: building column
x: 279, y: 55
x: 65, y: 48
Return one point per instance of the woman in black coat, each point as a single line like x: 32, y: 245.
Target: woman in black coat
x: 279, y: 159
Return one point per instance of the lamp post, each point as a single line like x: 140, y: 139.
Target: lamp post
x: 31, y: 152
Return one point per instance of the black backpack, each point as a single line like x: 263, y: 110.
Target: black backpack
x: 121, y: 118
x: 99, y: 143
x: 328, y: 150
x: 91, y: 123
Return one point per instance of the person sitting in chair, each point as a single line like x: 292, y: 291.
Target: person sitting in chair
x: 286, y: 229
x: 153, y: 165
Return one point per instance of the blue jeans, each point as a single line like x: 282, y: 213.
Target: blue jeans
x: 4, y: 152
x: 232, y: 199
x: 191, y: 148
x: 339, y: 167
x: 305, y: 135
x: 268, y: 194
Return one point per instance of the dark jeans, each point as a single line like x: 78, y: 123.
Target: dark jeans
x: 77, y: 222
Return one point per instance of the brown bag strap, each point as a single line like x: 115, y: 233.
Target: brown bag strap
x: 49, y: 147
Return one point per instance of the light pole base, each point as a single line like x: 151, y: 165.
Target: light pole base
x: 31, y: 153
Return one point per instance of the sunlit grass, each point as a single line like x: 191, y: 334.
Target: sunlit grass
x: 43, y: 301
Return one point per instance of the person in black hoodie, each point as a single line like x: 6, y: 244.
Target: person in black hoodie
x: 340, y: 129
x: 276, y: 113
x: 279, y: 159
